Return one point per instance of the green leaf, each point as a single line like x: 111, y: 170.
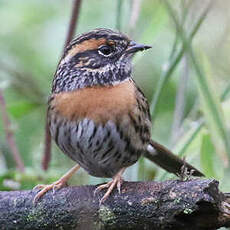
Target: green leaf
x: 207, y: 152
x: 21, y: 108
x: 211, y: 107
x: 188, y: 139
x: 172, y: 64
x: 211, y: 102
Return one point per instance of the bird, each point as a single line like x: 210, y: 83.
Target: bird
x: 98, y: 116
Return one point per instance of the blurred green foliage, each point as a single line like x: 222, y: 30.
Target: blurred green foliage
x: 31, y: 41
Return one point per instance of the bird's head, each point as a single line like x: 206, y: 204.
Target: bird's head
x: 97, y: 58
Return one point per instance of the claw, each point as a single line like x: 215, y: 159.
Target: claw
x: 117, y: 181
x: 39, y: 186
x: 119, y: 186
x: 101, y: 187
x: 59, y: 185
x: 62, y: 182
x: 46, y: 188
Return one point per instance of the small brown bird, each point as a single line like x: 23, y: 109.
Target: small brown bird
x: 97, y: 114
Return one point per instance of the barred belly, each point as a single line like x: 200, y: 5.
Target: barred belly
x: 102, y: 150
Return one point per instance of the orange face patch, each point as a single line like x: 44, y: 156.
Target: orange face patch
x: 90, y: 44
x: 99, y: 104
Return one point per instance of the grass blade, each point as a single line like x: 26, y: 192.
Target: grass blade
x: 212, y: 105
x: 207, y: 153
x: 173, y: 64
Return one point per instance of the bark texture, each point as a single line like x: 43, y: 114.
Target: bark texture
x: 175, y: 204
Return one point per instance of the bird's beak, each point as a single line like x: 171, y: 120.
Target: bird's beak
x: 134, y: 47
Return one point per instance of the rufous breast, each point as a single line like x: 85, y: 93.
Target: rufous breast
x: 100, y: 103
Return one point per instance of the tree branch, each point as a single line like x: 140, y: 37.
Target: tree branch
x: 47, y: 148
x: 10, y: 135
x: 195, y: 204
x: 73, y: 21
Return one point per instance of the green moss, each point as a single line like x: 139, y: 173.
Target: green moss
x: 188, y: 211
x: 35, y: 214
x: 106, y: 215
x: 177, y: 200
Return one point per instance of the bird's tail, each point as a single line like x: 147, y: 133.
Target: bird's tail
x: 167, y: 160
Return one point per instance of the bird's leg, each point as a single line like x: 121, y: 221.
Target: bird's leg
x: 117, y: 181
x: 57, y: 184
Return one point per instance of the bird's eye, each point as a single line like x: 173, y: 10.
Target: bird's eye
x: 105, y: 50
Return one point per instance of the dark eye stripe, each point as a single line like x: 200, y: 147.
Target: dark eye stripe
x: 79, y: 57
x: 86, y: 53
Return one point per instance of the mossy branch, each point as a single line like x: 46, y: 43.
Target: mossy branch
x: 175, y: 204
